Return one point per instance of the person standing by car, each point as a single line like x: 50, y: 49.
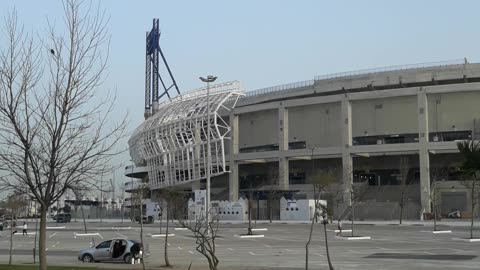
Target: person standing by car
x: 24, y: 232
x: 135, y: 251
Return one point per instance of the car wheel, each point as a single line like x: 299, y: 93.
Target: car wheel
x: 87, y: 258
x: 127, y: 259
x: 150, y: 219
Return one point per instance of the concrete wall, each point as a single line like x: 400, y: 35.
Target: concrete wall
x: 394, y: 115
x: 458, y: 109
x: 318, y: 125
x: 258, y: 128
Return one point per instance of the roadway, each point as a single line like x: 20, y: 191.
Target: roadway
x: 391, y: 246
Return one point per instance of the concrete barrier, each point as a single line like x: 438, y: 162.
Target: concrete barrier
x: 162, y: 235
x: 75, y: 235
x: 250, y: 236
x: 54, y: 228
x: 259, y: 229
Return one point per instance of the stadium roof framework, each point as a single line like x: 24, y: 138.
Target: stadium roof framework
x: 173, y: 141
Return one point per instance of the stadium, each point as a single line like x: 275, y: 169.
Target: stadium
x: 389, y: 134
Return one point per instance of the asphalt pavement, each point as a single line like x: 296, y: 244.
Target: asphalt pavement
x: 411, y: 246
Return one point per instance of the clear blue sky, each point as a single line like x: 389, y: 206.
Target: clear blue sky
x: 265, y: 43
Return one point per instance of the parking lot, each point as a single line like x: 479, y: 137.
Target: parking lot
x: 391, y: 246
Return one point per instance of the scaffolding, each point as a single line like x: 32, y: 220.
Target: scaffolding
x: 173, y: 141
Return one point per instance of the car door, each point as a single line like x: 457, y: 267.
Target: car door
x: 122, y: 248
x: 102, y: 251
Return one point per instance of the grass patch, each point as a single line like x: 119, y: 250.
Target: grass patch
x: 35, y: 267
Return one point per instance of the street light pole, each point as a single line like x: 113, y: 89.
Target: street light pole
x: 208, y: 80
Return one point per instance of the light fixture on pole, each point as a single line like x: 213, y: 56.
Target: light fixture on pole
x: 208, y: 80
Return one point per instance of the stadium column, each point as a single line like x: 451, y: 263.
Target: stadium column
x: 347, y: 162
x: 233, y: 177
x: 283, y: 167
x: 424, y: 157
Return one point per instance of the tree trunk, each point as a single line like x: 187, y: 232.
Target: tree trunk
x: 473, y: 207
x: 11, y: 240
x: 35, y: 242
x: 353, y: 216
x: 141, y: 231
x: 42, y: 253
x: 434, y: 210
x: 401, y: 211
x: 330, y: 266
x: 250, y: 216
x: 167, y: 262
x: 83, y: 217
x: 309, y: 238
x: 270, y: 207
x: 161, y: 219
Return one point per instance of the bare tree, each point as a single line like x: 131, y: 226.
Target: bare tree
x: 437, y: 174
x: 356, y: 191
x: 136, y: 203
x: 79, y: 191
x: 320, y: 182
x: 121, y: 186
x: 14, y: 204
x: 205, y: 236
x: 56, y: 131
x: 142, y: 190
x: 470, y: 151
x: 273, y: 176
x: 249, y: 205
x: 403, y: 169
x: 172, y: 199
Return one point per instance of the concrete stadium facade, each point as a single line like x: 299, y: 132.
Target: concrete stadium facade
x: 373, y: 128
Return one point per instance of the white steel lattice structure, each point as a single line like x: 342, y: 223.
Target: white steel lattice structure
x: 173, y: 141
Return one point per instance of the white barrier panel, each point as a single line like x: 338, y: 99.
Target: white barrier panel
x: 53, y: 228
x: 86, y: 234
x: 163, y: 235
x: 259, y: 229
x: 250, y: 236
x: 231, y: 210
x: 299, y: 210
x: 226, y: 210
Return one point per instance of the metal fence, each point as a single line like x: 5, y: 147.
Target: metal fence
x: 296, y: 85
x: 389, y: 68
x: 282, y: 87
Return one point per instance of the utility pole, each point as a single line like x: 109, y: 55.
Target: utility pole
x: 208, y: 80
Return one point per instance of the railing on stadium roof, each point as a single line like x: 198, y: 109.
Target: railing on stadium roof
x: 301, y: 84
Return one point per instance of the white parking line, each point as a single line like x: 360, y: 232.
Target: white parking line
x: 252, y: 253
x: 53, y: 234
x: 288, y: 249
x: 56, y: 244
x: 318, y: 254
x: 268, y: 246
x: 121, y: 235
x: 179, y: 248
x: 191, y: 252
x: 231, y: 249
